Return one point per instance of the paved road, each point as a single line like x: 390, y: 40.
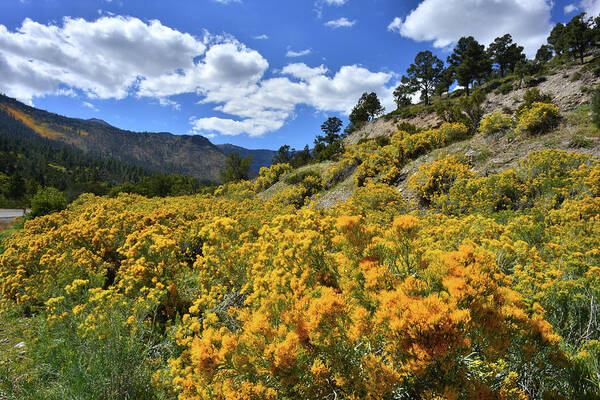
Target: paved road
x: 7, y: 215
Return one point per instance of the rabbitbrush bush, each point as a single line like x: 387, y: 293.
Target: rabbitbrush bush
x: 495, y: 122
x: 230, y: 296
x: 538, y: 119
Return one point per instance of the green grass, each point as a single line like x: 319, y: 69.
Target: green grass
x: 579, y: 140
x: 54, y: 361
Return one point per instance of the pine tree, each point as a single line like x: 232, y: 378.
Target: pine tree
x: 505, y: 53
x: 579, y: 36
x: 469, y: 62
x: 236, y: 168
x: 424, y: 74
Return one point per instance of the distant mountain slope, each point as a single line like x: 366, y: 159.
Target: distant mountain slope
x: 162, y: 152
x: 98, y: 121
x: 29, y: 160
x: 260, y: 158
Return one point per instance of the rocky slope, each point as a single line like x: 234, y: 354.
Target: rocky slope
x: 564, y: 85
x: 569, y: 87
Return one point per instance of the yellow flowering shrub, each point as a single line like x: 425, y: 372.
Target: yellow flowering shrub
x: 385, y: 163
x: 298, y: 195
x: 376, y: 201
x: 348, y: 161
x: 495, y: 122
x: 538, y: 119
x: 437, y: 177
x: 545, y: 177
x: 268, y: 176
x: 491, y: 293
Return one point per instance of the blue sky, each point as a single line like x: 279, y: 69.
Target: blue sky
x: 255, y: 73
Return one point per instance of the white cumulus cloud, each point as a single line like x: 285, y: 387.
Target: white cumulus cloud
x: 104, y: 59
x: 569, y: 8
x: 117, y: 57
x: 591, y: 7
x: 300, y: 53
x: 340, y: 23
x: 444, y: 21
x: 303, y: 71
x: 270, y: 103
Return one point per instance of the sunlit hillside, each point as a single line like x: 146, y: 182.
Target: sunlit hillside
x: 445, y: 250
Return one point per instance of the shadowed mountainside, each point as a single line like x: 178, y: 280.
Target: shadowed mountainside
x: 188, y: 155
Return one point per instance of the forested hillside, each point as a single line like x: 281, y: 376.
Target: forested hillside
x: 29, y: 163
x: 193, y: 156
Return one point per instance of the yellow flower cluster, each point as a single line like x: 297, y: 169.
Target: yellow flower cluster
x: 268, y: 176
x: 538, y: 119
x: 495, y: 122
x: 435, y: 179
x: 384, y: 164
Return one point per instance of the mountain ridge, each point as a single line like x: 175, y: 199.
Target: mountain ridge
x: 191, y: 155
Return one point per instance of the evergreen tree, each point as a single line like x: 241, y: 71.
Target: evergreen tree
x: 16, y: 186
x: 469, y: 62
x: 284, y: 155
x: 301, y: 157
x: 579, y: 36
x: 445, y: 81
x: 523, y: 69
x: 329, y: 146
x: 366, y: 110
x: 544, y: 54
x: 236, y: 169
x: 402, y: 94
x: 505, y: 53
x: 331, y: 128
x: 424, y: 74
x: 558, y: 39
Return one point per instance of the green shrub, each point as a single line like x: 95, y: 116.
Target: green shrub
x: 407, y: 127
x: 492, y: 85
x: 47, y: 201
x: 505, y: 88
x: 596, y: 108
x: 580, y: 141
x: 465, y: 110
x: 538, y: 119
x: 495, y: 122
